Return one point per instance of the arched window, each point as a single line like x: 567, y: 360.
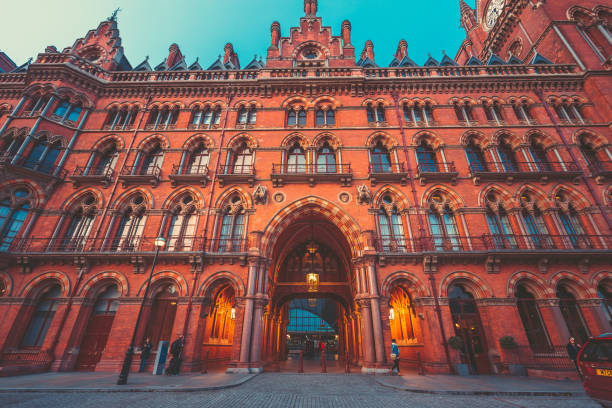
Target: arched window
x: 535, y: 226
x: 198, y: 160
x: 499, y: 224
x: 570, y: 220
x: 418, y: 114
x: 296, y: 117
x: 326, y: 159
x: 325, y: 117
x: 232, y: 225
x: 164, y: 118
x: 247, y: 116
x: 539, y: 156
x: 572, y: 314
x: 390, y: 226
x: 222, y: 317
x: 207, y: 118
x: 532, y: 320
x: 242, y: 159
x: 507, y: 156
x: 493, y: 112
x: 475, y: 157
x: 42, y: 156
x: 36, y: 104
x: 403, y: 320
x: 589, y: 154
x: 10, y: 146
x: 569, y: 112
x: 61, y: 109
x: 121, y: 119
x: 522, y: 111
x: 181, y: 225
x: 74, y: 113
x: 443, y: 225
x: 426, y: 158
x: 464, y: 113
x: 296, y: 159
x: 42, y: 317
x: 381, y: 159
x: 163, y: 312
x: 103, y: 161
x: 130, y: 225
x: 151, y: 160
x: 14, y: 208
x: 375, y: 113
x: 78, y: 224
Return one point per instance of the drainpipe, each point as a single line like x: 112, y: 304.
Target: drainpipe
x: 575, y: 159
x: 422, y: 232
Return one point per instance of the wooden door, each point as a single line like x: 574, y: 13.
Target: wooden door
x: 94, y: 341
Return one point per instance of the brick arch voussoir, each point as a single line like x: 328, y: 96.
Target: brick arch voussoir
x: 8, y: 283
x: 118, y: 140
x: 217, y: 278
x: 396, y: 193
x: 60, y: 277
x: 117, y: 277
x: 192, y: 141
x: 164, y: 276
x: 534, y: 282
x: 480, y: 289
x: 245, y: 196
x: 576, y: 283
x: 120, y: 200
x: 416, y: 284
x: 600, y: 277
x: 196, y: 193
x: 148, y: 141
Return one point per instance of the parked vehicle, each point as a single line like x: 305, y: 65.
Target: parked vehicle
x: 595, y: 364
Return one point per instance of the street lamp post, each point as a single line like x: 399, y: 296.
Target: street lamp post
x: 127, y: 361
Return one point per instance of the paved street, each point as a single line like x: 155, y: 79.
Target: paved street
x: 286, y: 390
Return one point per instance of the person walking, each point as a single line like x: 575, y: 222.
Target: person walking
x: 395, y: 357
x: 176, y: 349
x: 573, y: 349
x: 144, y: 354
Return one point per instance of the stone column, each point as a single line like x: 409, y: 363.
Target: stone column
x: 376, y: 319
x: 554, y: 321
x: 248, y: 312
x: 368, y: 339
x: 255, y: 361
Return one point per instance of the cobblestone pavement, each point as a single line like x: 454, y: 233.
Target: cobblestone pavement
x: 286, y: 390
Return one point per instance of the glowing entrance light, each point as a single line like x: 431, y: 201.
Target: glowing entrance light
x: 312, y: 282
x: 233, y: 313
x: 391, y: 314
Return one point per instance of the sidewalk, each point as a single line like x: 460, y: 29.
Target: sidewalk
x: 482, y: 385
x: 106, y: 382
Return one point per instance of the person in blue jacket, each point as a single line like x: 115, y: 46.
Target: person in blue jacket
x: 395, y: 356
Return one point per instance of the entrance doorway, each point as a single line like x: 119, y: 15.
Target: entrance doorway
x: 312, y: 328
x: 98, y: 328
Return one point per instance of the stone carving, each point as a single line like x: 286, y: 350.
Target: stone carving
x: 260, y: 194
x: 363, y: 194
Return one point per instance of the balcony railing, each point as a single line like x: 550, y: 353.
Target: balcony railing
x: 524, y: 170
x: 38, y: 168
x: 437, y: 171
x: 189, y: 174
x: 137, y: 174
x: 92, y: 175
x: 601, y: 169
x: 48, y: 245
x: 495, y: 243
x: 226, y: 245
x: 384, y: 173
x: 311, y: 173
x: 237, y: 174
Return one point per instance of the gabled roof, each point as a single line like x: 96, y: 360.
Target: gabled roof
x: 217, y: 65
x: 143, y: 66
x: 255, y: 64
x: 514, y: 60
x: 431, y: 62
x: 367, y: 63
x: 474, y: 61
x: 405, y: 62
x: 539, y: 59
x: 162, y: 67
x: 23, y: 67
x: 447, y: 61
x: 179, y: 66
x: 195, y: 66
x: 495, y: 60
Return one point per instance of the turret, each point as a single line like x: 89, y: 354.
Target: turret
x: 275, y: 33
x: 402, y: 50
x: 468, y: 16
x: 310, y: 8
x: 368, y: 51
x: 346, y: 32
x: 230, y: 56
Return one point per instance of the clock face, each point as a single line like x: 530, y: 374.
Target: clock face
x: 493, y: 11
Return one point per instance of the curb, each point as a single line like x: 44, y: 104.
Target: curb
x: 143, y: 389
x: 486, y: 393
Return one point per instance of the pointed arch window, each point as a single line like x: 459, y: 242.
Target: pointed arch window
x: 375, y: 113
x: 590, y: 155
x: 426, y: 158
x: 14, y: 209
x: 537, y: 232
x: 381, y: 159
x: 296, y: 159
x: 538, y: 154
x: 104, y: 161
x: 325, y: 117
x: 152, y: 160
x: 493, y: 112
x: 247, y: 115
x: 499, y: 225
x: 130, y: 225
x: 390, y: 226
x: 464, y: 113
x: 475, y: 157
x: 523, y: 113
x: 296, y: 117
x: 36, y: 105
x: 572, y: 314
x: 61, y: 109
x: 43, y: 155
x: 604, y: 292
x: 404, y: 325
x: 242, y: 160
x: 507, y: 156
x: 78, y: 225
x: 164, y: 118
x: 232, y: 225
x: 10, y: 146
x: 326, y: 159
x: 198, y: 160
x: 443, y: 226
x: 576, y: 236
x: 41, y: 318
x: 121, y: 118
x: 531, y: 318
x: 418, y: 114
x: 222, y: 325
x: 182, y: 225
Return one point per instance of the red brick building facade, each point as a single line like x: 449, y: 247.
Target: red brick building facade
x: 467, y: 198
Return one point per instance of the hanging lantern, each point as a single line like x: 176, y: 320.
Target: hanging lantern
x: 312, y: 282
x: 391, y: 314
x: 233, y: 313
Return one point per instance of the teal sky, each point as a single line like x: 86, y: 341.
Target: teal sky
x: 202, y: 27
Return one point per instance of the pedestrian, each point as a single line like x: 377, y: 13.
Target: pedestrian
x: 176, y: 349
x: 573, y: 349
x: 145, y: 352
x: 395, y: 357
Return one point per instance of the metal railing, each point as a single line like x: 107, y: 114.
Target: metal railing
x: 238, y: 169
x: 82, y: 171
x: 137, y: 170
x: 35, y: 359
x: 226, y: 245
x: 554, y: 359
x: 380, y: 168
x: 41, y: 166
x: 189, y: 170
x: 428, y: 168
x: 598, y: 168
x: 523, y: 167
x: 311, y: 168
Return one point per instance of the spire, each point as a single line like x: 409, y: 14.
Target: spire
x: 468, y: 16
x: 113, y: 16
x: 174, y: 55
x: 464, y: 7
x: 310, y: 8
x: 402, y: 50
